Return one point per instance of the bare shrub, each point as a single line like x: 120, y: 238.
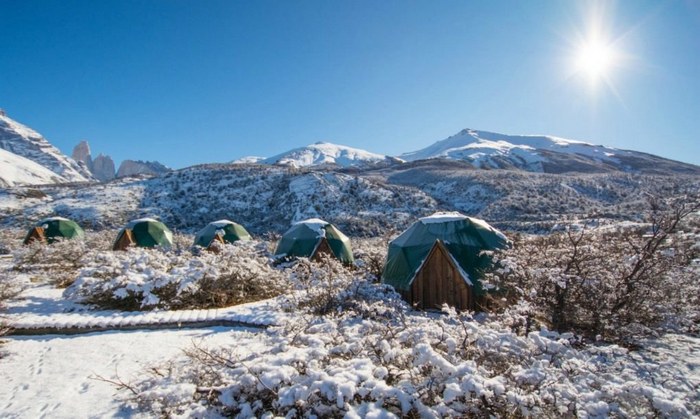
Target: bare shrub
x: 343, y: 364
x: 370, y: 255
x: 59, y: 262
x: 609, y: 283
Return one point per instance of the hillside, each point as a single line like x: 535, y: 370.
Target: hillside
x: 266, y: 199
x: 25, y: 142
x: 548, y: 154
x: 324, y: 153
x: 16, y: 170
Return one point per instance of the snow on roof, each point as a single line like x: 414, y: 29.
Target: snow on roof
x: 462, y: 272
x: 221, y: 223
x: 488, y: 226
x: 443, y: 217
x: 132, y: 223
x: 315, y: 224
x: 49, y: 219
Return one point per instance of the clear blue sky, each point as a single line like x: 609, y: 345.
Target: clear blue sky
x: 187, y: 82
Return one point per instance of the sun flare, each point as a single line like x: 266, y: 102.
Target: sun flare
x: 596, y: 49
x: 595, y: 59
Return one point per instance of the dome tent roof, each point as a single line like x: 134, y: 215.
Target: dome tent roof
x: 144, y: 232
x: 227, y: 230
x: 54, y: 228
x: 304, y: 238
x: 464, y: 238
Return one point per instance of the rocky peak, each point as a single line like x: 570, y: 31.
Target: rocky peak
x: 81, y: 153
x: 103, y: 168
x: 138, y: 167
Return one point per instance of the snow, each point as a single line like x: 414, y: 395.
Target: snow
x: 44, y: 307
x: 248, y: 159
x: 325, y: 153
x: 132, y: 223
x: 443, y: 217
x: 46, y: 220
x: 480, y: 147
x: 316, y: 224
x: 221, y: 223
x: 25, y: 142
x: 54, y: 376
x: 17, y: 170
x: 352, y: 363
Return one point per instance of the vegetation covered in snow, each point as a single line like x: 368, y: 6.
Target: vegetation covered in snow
x: 353, y: 348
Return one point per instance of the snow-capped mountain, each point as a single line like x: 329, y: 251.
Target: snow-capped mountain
x: 248, y: 159
x: 327, y: 153
x: 25, y: 142
x: 16, y: 170
x: 539, y: 153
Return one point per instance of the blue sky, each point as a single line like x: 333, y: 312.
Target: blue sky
x: 186, y: 82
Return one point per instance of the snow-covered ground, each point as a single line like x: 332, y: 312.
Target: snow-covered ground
x: 17, y: 170
x: 56, y: 376
x: 53, y: 376
x: 44, y: 307
x: 372, y: 356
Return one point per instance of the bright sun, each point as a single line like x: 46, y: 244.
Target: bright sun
x: 595, y: 59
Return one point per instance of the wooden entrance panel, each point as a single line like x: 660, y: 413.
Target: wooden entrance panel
x: 323, y: 249
x: 37, y: 234
x: 440, y: 281
x: 125, y: 240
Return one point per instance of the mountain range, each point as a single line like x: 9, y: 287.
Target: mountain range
x: 477, y: 149
x: 489, y: 150
x: 25, y: 142
x: 28, y: 158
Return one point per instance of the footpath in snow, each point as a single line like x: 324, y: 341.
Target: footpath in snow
x: 42, y: 309
x: 49, y: 374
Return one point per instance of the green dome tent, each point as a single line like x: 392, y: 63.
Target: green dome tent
x: 51, y: 229
x: 312, y: 237
x: 437, y: 260
x: 222, y: 231
x: 144, y: 232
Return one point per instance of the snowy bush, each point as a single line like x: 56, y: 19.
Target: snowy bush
x: 608, y: 283
x: 154, y: 278
x: 59, y: 262
x: 403, y: 364
x: 10, y: 239
x: 370, y: 255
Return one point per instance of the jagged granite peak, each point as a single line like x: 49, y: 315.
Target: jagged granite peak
x: 81, y: 153
x: 321, y: 153
x: 18, y: 171
x: 25, y: 142
x: 138, y: 167
x: 103, y: 168
x: 543, y: 153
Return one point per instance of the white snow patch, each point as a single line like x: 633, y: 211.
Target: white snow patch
x: 325, y: 153
x: 16, y: 170
x: 443, y: 217
x: 316, y: 224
